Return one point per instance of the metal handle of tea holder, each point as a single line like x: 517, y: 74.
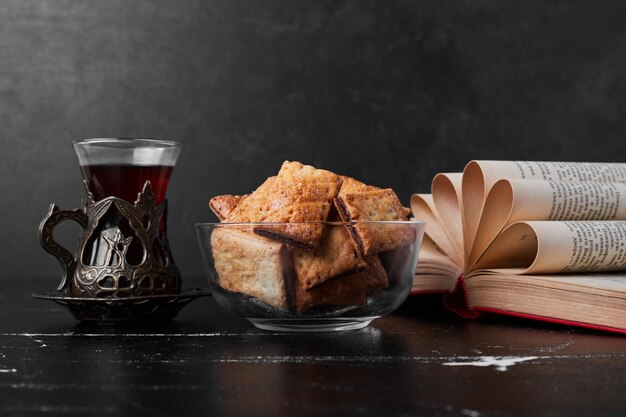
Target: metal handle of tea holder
x: 46, y: 239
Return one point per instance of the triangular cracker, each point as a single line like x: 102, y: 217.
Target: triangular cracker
x: 336, y: 254
x: 299, y: 193
x: 224, y: 204
x: 375, y: 205
x: 336, y: 291
x: 350, y: 185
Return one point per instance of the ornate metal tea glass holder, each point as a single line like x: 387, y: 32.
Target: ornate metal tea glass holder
x: 124, y: 269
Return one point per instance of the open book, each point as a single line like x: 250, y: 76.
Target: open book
x: 545, y: 240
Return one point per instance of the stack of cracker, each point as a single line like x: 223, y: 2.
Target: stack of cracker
x: 300, y: 262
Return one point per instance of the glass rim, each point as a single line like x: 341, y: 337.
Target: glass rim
x: 323, y: 223
x: 128, y: 141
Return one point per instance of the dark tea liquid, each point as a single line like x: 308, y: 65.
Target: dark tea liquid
x: 126, y: 181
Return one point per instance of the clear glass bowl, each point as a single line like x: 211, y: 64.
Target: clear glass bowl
x: 322, y: 276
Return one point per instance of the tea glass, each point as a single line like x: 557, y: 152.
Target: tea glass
x: 123, y: 251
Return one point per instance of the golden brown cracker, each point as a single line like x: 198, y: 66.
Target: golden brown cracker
x: 336, y: 254
x: 252, y: 265
x: 336, y: 291
x: 244, y: 212
x: 224, y: 204
x: 350, y: 185
x: 299, y: 193
x: 375, y: 205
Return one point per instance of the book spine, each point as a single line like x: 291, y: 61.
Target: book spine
x: 427, y: 292
x: 456, y: 301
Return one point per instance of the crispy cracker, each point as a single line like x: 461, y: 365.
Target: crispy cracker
x: 350, y: 185
x: 299, y: 193
x: 224, y: 204
x: 244, y: 211
x: 252, y: 265
x: 336, y: 254
x: 375, y: 205
x: 339, y: 290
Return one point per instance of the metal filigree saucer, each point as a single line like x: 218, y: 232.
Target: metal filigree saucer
x: 124, y: 309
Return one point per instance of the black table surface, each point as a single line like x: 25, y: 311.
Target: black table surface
x: 420, y: 360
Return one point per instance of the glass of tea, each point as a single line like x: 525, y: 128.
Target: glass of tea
x: 120, y: 167
x: 123, y: 251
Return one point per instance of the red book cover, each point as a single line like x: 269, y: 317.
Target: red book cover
x: 550, y: 319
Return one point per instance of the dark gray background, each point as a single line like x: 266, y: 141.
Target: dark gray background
x: 390, y: 92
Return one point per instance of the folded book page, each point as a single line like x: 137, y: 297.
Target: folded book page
x: 447, y: 200
x: 545, y: 247
x: 477, y: 205
x: 423, y: 208
x: 480, y: 176
x: 510, y: 201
